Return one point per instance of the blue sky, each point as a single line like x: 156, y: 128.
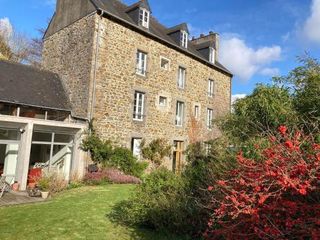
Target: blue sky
x: 259, y: 38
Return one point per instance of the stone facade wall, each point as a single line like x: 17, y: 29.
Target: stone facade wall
x: 117, y: 82
x: 70, y: 53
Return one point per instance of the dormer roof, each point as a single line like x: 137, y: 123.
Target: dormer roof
x: 208, y: 44
x: 141, y: 4
x: 180, y: 27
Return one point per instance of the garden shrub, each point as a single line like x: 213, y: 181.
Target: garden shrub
x: 158, y: 203
x: 107, y: 155
x: 51, y: 182
x: 123, y: 159
x: 109, y: 175
x: 99, y: 150
x: 206, y: 161
x: 175, y: 203
x: 277, y: 197
x: 156, y: 151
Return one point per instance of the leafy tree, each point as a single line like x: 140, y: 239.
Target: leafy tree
x: 264, y: 110
x: 304, y: 83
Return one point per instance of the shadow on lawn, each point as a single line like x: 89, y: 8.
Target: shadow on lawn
x: 119, y: 214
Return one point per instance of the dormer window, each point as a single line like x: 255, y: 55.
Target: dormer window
x: 184, y: 39
x: 144, y: 16
x: 211, y: 55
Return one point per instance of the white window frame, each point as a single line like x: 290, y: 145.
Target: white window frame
x: 136, y: 148
x: 212, y: 55
x: 209, y: 118
x: 181, y: 82
x: 179, y: 114
x: 197, y: 111
x: 184, y: 39
x: 141, y: 63
x: 165, y: 59
x: 211, y: 86
x: 144, y: 17
x: 139, y: 105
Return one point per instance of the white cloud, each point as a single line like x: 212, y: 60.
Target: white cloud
x: 236, y: 97
x: 270, y: 72
x: 6, y: 29
x: 311, y: 28
x: 243, y: 60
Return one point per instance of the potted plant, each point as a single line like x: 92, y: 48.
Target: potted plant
x: 15, y: 186
x: 44, y: 185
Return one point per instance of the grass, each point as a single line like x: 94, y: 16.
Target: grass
x: 75, y: 214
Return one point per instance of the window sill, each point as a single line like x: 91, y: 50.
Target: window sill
x: 138, y: 122
x: 141, y: 75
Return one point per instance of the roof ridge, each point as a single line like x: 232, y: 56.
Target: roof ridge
x: 27, y: 66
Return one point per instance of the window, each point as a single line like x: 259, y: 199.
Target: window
x: 209, y: 118
x: 210, y: 88
x: 211, y: 55
x: 181, y: 77
x: 141, y: 67
x: 164, y: 63
x: 163, y: 101
x: 196, y: 111
x: 136, y: 147
x: 179, y: 113
x: 184, y: 39
x: 52, y: 151
x: 144, y: 17
x: 138, y: 109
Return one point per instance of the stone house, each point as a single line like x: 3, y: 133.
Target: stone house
x: 135, y: 77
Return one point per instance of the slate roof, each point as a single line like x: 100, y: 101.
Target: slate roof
x: 119, y: 10
x: 25, y: 85
x: 182, y: 26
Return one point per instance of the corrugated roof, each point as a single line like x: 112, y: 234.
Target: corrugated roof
x: 26, y: 85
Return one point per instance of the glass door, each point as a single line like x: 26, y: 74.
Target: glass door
x: 9, y: 149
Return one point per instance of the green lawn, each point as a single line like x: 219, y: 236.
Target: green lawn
x: 75, y: 214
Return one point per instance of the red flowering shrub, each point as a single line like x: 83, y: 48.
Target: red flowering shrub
x: 277, y: 197
x: 110, y: 176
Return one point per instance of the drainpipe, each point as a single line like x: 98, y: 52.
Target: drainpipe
x: 95, y: 66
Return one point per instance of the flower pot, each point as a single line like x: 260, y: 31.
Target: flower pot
x: 44, y: 195
x: 15, y: 187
